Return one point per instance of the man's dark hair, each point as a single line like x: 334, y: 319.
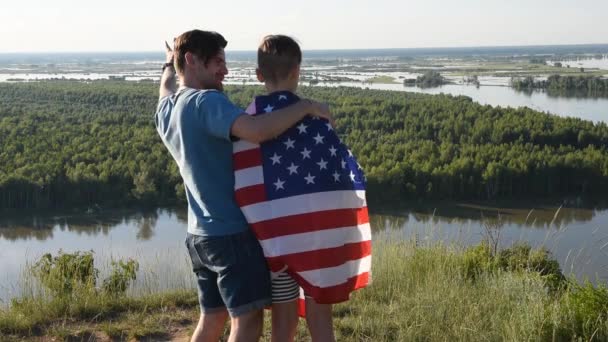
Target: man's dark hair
x: 277, y: 56
x: 204, y: 44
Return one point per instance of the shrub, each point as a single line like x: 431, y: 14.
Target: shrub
x: 478, y: 259
x: 518, y: 258
x: 75, y: 274
x: 120, y: 278
x: 66, y: 273
x: 521, y: 257
x: 589, y: 307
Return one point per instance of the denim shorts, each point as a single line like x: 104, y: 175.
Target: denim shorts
x: 231, y: 272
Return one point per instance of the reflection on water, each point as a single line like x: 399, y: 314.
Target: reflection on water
x: 464, y: 213
x: 153, y: 238
x: 578, y: 237
x: 42, y: 228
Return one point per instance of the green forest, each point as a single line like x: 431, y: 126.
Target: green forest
x: 80, y: 144
x: 558, y: 85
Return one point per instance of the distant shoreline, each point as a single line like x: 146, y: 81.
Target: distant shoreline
x: 512, y: 50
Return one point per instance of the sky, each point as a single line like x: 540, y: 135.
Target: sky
x: 138, y: 25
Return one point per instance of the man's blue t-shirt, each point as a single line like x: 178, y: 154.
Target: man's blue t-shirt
x: 195, y: 126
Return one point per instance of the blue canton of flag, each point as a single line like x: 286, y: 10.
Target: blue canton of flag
x: 308, y: 158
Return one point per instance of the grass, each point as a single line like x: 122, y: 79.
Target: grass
x: 429, y: 292
x: 381, y: 79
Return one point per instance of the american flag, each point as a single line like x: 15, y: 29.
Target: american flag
x: 303, y: 194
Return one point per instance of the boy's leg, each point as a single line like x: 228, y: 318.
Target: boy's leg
x: 284, y: 321
x: 285, y: 294
x: 319, y: 320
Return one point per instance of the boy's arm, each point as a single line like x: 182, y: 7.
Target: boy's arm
x: 260, y: 128
x: 168, y: 86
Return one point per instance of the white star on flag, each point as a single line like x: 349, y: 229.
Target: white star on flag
x: 350, y: 154
x: 318, y: 139
x: 268, y: 109
x: 276, y: 159
x: 293, y: 169
x: 279, y: 184
x: 322, y: 164
x: 336, y: 176
x: 310, y: 179
x: 282, y: 97
x: 343, y: 164
x: 289, y: 143
x: 305, y: 153
x: 329, y: 128
x: 333, y: 151
x: 352, y: 176
x: 302, y: 128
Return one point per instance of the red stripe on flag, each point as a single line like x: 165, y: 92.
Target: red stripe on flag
x: 310, y: 222
x: 333, y: 294
x: 321, y: 258
x: 246, y: 159
x: 250, y: 195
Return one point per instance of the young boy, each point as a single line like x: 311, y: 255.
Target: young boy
x: 303, y: 194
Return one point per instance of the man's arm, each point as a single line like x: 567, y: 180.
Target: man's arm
x: 260, y: 128
x: 168, y: 85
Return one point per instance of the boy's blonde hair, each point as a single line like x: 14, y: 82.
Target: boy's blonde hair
x: 278, y: 55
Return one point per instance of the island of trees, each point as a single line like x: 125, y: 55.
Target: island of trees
x: 564, y: 85
x: 75, y: 144
x: 427, y: 80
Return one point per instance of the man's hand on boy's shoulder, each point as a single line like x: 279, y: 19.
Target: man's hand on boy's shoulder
x: 260, y: 128
x: 319, y: 109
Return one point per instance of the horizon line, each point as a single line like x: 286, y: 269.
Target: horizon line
x: 341, y: 49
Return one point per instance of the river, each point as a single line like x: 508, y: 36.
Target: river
x: 577, y: 237
x: 593, y: 109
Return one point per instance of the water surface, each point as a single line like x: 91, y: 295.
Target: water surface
x: 577, y: 237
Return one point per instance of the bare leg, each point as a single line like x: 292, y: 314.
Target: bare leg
x: 247, y: 327
x: 210, y: 327
x: 284, y: 321
x: 319, y: 320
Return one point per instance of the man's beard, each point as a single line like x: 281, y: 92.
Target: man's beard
x: 217, y: 86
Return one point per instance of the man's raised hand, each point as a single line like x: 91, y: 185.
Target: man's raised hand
x: 168, y: 53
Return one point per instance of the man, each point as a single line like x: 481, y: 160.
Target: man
x: 197, y: 125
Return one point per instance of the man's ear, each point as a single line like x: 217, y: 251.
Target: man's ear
x: 258, y: 73
x: 190, y: 58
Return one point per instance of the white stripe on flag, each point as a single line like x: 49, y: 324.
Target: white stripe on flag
x: 247, y: 177
x: 330, y: 238
x: 332, y: 276
x: 243, y: 145
x: 303, y: 204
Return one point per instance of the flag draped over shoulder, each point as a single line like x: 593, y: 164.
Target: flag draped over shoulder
x: 303, y: 194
